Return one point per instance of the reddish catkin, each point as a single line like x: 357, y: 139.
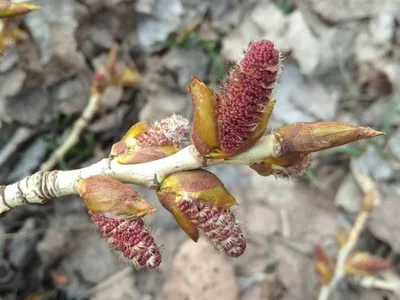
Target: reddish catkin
x: 244, y: 96
x: 131, y: 238
x: 170, y: 131
x: 218, y: 224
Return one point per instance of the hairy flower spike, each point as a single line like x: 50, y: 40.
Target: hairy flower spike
x: 131, y: 238
x: 170, y: 131
x: 219, y: 225
x: 244, y: 98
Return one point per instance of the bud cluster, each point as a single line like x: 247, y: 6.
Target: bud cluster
x: 224, y: 125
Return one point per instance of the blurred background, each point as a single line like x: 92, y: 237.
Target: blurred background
x: 342, y: 63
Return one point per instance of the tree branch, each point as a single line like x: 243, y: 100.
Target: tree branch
x: 43, y: 186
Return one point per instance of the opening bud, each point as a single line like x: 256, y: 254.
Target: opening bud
x: 109, y: 197
x: 144, y: 142
x: 197, y: 184
x: 199, y: 199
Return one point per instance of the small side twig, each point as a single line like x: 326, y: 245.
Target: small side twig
x: 370, y: 200
x: 111, y: 73
x: 344, y: 253
x: 376, y: 283
x: 73, y: 138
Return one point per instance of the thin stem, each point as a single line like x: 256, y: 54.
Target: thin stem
x: 358, y: 227
x: 73, y: 138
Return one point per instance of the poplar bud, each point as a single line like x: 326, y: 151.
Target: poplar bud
x: 143, y: 142
x: 307, y: 137
x: 324, y: 265
x: 365, y: 264
x: 109, y: 197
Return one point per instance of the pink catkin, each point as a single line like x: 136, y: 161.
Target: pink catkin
x: 169, y: 131
x: 245, y: 94
x: 218, y: 224
x: 131, y: 238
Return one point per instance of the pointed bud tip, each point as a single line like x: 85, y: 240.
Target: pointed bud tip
x: 194, y: 80
x: 32, y: 7
x: 371, y: 133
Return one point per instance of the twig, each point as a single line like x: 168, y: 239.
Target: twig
x: 43, y: 186
x: 376, y: 283
x: 73, y: 138
x: 371, y: 199
x: 111, y: 73
x: 343, y: 254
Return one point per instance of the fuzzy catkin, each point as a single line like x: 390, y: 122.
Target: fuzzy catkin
x: 172, y: 131
x: 219, y: 225
x: 131, y: 238
x: 245, y: 95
